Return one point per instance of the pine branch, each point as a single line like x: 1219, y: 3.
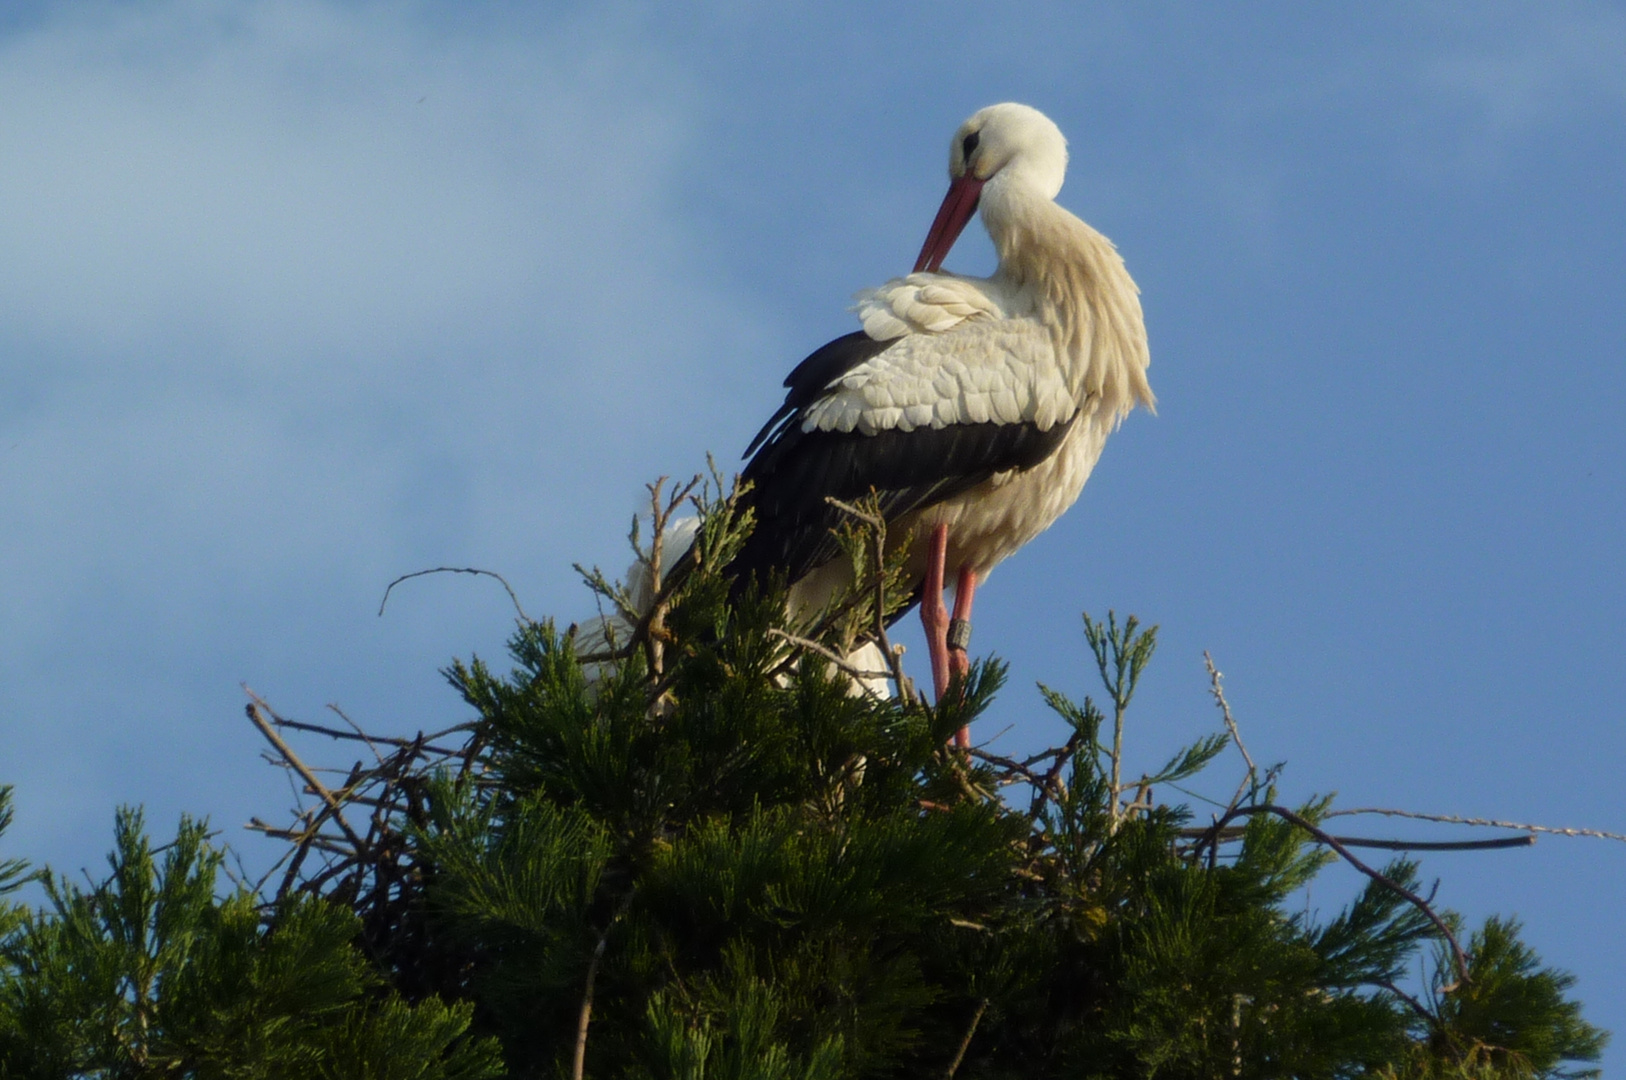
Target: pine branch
x: 660, y: 513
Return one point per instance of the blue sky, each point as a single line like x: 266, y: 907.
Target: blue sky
x: 300, y: 296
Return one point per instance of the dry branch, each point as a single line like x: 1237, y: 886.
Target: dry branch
x: 1230, y: 834
x: 585, y: 1016
x: 333, y: 805
x: 1458, y: 955
x: 831, y: 655
x: 894, y: 655
x: 512, y: 597
x: 965, y: 1041
x: 1489, y: 823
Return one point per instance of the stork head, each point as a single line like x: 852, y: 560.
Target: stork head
x: 1007, y: 144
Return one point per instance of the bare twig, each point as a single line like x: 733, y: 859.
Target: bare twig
x: 698, y: 551
x: 360, y: 734
x: 369, y: 875
x: 298, y: 860
x: 1009, y: 765
x: 1460, y: 957
x: 387, y: 740
x: 239, y: 876
x: 320, y: 841
x: 965, y: 1043
x: 352, y: 799
x: 259, y: 886
x: 1491, y: 823
x: 872, y: 520
x: 1051, y: 788
x: 1416, y: 1006
x: 585, y: 1016
x: 955, y: 759
x: 996, y: 736
x: 288, y: 755
x: 829, y: 654
x: 514, y: 599
x: 1143, y: 798
x: 1216, y: 687
x: 1117, y: 759
x: 894, y: 655
x: 1235, y: 833
x: 606, y: 656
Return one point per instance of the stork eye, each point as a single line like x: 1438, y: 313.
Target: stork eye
x: 970, y: 144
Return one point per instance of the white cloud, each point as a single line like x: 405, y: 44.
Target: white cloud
x: 297, y: 293
x: 274, y: 182
x: 374, y: 235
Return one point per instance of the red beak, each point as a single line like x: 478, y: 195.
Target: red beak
x: 958, y: 206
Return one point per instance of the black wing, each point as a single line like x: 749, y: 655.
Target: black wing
x: 809, y: 379
x: 793, y: 472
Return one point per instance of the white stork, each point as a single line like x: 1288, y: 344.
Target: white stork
x: 974, y: 407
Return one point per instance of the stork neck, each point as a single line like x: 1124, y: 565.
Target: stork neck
x: 1029, y: 231
x: 1079, y: 289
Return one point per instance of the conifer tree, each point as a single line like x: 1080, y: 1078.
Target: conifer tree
x: 708, y: 854
x: 149, y: 973
x: 721, y: 860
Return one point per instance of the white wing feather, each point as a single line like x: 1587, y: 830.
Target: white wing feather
x: 926, y: 303
x: 962, y: 359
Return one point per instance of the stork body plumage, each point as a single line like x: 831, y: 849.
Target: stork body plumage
x: 975, y: 408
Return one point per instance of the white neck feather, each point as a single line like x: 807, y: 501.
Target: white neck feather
x: 1081, y: 291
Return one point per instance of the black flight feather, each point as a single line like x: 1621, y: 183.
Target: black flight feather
x: 813, y: 376
x: 793, y: 471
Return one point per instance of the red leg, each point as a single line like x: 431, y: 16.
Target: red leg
x: 965, y: 588
x: 934, y: 617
